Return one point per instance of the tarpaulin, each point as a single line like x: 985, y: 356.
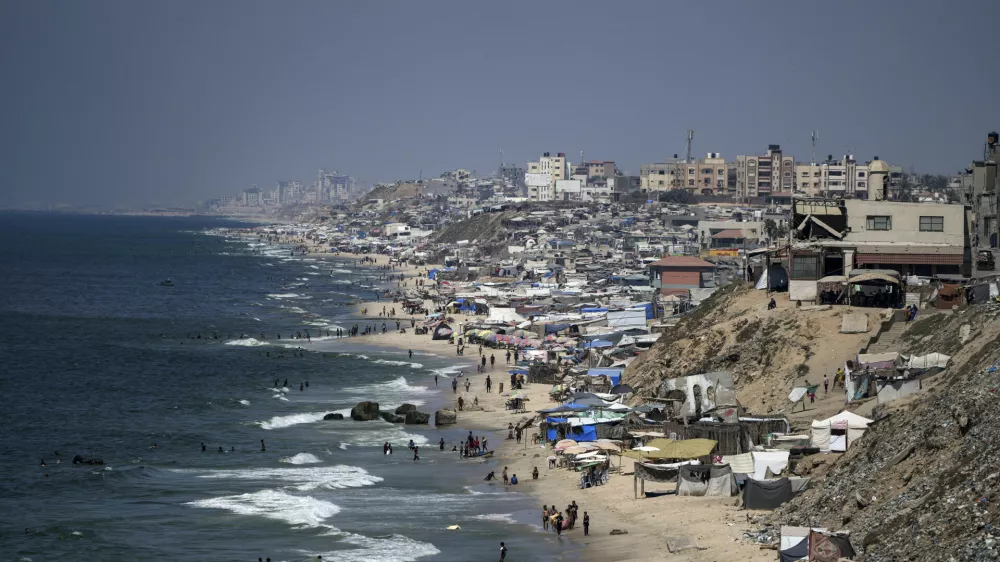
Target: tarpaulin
x: 741, y: 464
x: 766, y: 494
x: 824, y: 547
x: 774, y: 460
x: 669, y: 449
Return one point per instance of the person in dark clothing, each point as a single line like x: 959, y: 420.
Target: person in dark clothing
x: 586, y: 524
x: 503, y: 552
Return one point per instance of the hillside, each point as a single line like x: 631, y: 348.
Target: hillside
x: 482, y: 229
x: 923, y: 483
x: 768, y: 352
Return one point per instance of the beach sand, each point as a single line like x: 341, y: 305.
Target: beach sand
x: 666, y: 527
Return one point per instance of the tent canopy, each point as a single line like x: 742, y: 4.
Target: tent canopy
x: 670, y: 449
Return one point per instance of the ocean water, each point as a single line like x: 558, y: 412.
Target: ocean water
x: 101, y: 361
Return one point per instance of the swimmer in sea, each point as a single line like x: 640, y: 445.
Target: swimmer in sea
x: 202, y: 446
x: 262, y: 445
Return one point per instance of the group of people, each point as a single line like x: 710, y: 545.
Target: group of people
x: 552, y: 517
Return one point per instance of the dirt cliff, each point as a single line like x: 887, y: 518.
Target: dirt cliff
x: 923, y: 483
x: 768, y: 352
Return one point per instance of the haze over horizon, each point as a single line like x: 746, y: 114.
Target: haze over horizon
x: 112, y: 102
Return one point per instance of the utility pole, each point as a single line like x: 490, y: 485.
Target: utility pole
x: 690, y: 138
x: 815, y: 137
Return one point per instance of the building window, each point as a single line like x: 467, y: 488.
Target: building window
x: 861, y: 184
x: 706, y: 171
x: 861, y: 174
x: 805, y: 267
x: 690, y: 182
x: 690, y: 171
x: 882, y: 222
x: 932, y: 224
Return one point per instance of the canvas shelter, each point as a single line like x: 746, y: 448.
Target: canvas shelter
x: 670, y: 449
x: 766, y: 494
x: 706, y: 480
x: 836, y: 433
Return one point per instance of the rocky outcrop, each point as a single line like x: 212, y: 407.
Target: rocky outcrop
x: 333, y: 417
x: 365, y: 411
x: 445, y: 417
x: 415, y: 417
x: 406, y: 408
x: 391, y: 417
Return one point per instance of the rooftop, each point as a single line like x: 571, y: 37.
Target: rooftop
x: 681, y: 261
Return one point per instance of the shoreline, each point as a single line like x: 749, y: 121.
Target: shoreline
x: 695, y: 529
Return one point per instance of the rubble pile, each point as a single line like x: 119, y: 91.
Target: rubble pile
x: 924, y: 481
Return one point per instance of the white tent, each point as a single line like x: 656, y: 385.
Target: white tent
x: 504, y: 316
x: 848, y: 427
x: 928, y: 361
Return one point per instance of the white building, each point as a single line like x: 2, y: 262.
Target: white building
x: 540, y: 186
x: 556, y: 167
x: 568, y: 190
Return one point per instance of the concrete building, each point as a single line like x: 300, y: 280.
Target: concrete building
x: 760, y: 176
x: 705, y: 176
x: 983, y: 192
x: 843, y: 178
x: 753, y: 231
x: 289, y: 192
x: 836, y: 237
x: 252, y: 197
x: 568, y: 190
x: 601, y: 169
x: 440, y: 187
x: 556, y: 167
x: 673, y: 273
x: 513, y: 175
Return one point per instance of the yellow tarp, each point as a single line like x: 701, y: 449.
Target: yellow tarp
x: 669, y: 449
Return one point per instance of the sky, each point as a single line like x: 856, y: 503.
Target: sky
x: 135, y: 102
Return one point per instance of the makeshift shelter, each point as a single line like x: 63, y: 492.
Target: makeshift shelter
x: 442, y: 332
x: 669, y: 449
x: 766, y: 494
x: 838, y: 432
x: 707, y: 480
x: 655, y: 473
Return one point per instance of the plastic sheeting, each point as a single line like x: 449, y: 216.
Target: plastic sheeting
x: 741, y: 464
x: 777, y: 461
x: 766, y: 494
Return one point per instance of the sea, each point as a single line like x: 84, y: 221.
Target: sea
x: 99, y: 358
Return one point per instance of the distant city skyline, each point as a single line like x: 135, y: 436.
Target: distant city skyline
x: 112, y: 102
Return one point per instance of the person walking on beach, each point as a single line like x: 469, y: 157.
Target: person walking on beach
x: 508, y: 357
x: 586, y: 524
x: 559, y: 522
x: 454, y: 385
x: 489, y: 383
x: 467, y: 385
x: 411, y: 354
x: 545, y: 518
x: 506, y: 480
x: 484, y: 362
x: 262, y: 445
x: 826, y: 385
x: 493, y: 360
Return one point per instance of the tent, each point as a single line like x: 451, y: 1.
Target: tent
x: 442, y: 332
x: 838, y: 432
x: 706, y: 480
x: 766, y: 494
x: 670, y: 449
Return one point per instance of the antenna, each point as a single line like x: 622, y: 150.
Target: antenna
x: 501, y: 157
x: 815, y: 137
x: 690, y: 137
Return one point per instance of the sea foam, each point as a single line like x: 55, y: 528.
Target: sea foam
x: 304, y: 478
x: 246, y: 342
x: 301, y: 458
x: 278, y: 422
x: 275, y: 504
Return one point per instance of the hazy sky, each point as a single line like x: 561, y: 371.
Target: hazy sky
x: 172, y: 102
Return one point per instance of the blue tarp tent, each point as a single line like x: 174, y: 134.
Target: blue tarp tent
x: 597, y: 344
x: 553, y: 328
x: 551, y: 434
x: 649, y: 309
x: 593, y: 309
x: 517, y: 371
x: 432, y: 274
x: 583, y: 433
x: 614, y: 374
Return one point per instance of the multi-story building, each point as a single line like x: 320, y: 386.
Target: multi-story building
x: 706, y: 176
x: 555, y: 167
x: 984, y: 193
x: 845, y: 178
x: 289, y: 192
x: 601, y: 169
x: 514, y: 175
x: 252, y: 197
x: 760, y: 176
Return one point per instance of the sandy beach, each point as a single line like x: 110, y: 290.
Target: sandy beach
x: 664, y: 527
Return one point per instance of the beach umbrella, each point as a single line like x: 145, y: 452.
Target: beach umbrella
x: 646, y: 449
x: 518, y: 394
x: 622, y: 389
x: 578, y: 449
x: 564, y: 444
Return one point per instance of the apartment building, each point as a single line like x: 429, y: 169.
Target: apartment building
x: 706, y: 176
x: 760, y: 176
x: 846, y: 178
x: 554, y: 167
